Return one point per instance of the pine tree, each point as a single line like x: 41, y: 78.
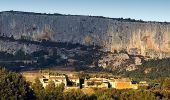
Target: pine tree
x: 38, y: 89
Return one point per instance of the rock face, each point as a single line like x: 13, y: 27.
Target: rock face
x: 136, y: 37
x: 114, y: 61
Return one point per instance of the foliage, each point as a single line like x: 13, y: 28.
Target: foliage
x: 112, y: 94
x: 54, y: 92
x: 38, y: 89
x: 152, y: 69
x: 166, y: 84
x: 75, y: 95
x: 13, y: 86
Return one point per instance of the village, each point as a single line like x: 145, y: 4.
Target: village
x: 75, y: 81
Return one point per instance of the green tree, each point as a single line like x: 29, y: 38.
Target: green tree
x: 166, y: 84
x: 50, y: 91
x: 38, y: 89
x: 59, y: 91
x: 106, y: 94
x: 54, y: 92
x: 13, y: 86
x: 75, y: 95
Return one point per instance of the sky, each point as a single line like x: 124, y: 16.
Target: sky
x: 147, y: 10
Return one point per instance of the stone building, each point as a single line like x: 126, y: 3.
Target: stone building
x: 56, y: 79
x: 96, y: 83
x: 122, y: 83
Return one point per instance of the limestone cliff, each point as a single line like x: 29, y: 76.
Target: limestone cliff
x: 136, y: 37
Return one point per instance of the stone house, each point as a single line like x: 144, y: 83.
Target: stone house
x: 44, y: 81
x: 96, y: 83
x: 122, y: 83
x: 56, y: 79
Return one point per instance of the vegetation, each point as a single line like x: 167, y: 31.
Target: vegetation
x: 151, y: 69
x: 38, y: 89
x: 46, y: 58
x: 75, y: 95
x: 83, y: 58
x: 52, y: 92
x: 91, y: 54
x: 14, y: 86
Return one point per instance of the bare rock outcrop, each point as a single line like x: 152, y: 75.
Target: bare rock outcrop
x: 136, y: 37
x: 117, y: 61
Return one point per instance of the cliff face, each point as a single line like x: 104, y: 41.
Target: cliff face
x: 143, y: 38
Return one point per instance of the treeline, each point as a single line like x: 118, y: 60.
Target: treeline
x: 57, y: 14
x: 14, y: 87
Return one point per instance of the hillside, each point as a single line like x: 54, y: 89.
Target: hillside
x: 30, y: 41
